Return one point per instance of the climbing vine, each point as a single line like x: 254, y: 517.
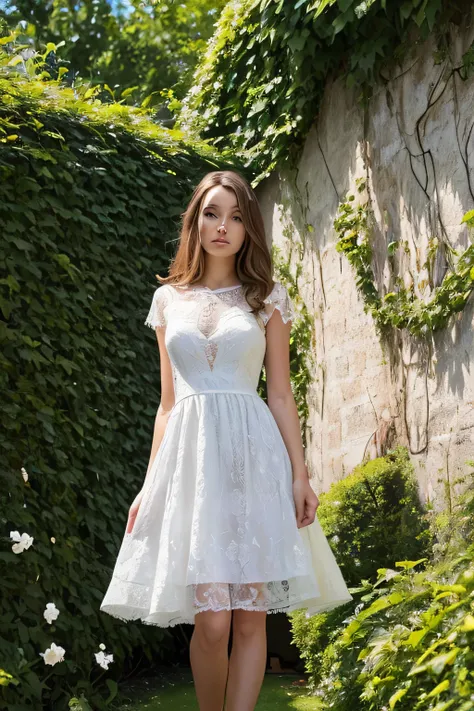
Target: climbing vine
x: 401, y: 308
x: 258, y: 89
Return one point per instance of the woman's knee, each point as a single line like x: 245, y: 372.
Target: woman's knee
x: 247, y: 623
x: 213, y: 628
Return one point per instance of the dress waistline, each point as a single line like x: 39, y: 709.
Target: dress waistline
x: 205, y: 392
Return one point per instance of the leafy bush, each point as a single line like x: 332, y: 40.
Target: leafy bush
x: 89, y: 200
x: 409, y: 643
x: 373, y: 514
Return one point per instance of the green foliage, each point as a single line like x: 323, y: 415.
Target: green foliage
x: 90, y: 196
x: 258, y: 89
x: 409, y: 643
x: 146, y: 48
x: 372, y: 514
x: 401, y: 308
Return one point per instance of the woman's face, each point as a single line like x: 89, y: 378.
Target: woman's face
x: 221, y: 219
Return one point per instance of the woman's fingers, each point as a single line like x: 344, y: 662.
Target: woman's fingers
x: 311, y: 503
x: 131, y: 520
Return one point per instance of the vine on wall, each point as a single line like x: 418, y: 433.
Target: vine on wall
x: 258, y: 89
x: 401, y: 308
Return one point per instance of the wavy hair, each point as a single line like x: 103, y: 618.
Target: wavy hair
x: 253, y: 260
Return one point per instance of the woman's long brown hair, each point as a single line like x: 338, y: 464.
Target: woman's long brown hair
x: 253, y: 260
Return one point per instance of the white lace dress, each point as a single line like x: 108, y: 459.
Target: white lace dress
x: 216, y: 528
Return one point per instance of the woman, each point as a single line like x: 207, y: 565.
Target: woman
x: 225, y: 522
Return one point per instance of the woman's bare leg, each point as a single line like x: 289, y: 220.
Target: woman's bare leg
x: 247, y: 660
x: 209, y: 656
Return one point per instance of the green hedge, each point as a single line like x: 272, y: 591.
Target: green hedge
x: 90, y: 196
x: 409, y: 643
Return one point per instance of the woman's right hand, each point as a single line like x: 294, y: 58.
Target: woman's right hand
x: 133, y: 511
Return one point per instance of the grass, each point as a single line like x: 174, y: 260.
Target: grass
x: 175, y: 692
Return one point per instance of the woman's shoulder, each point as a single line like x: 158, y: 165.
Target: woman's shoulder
x: 280, y: 299
x: 162, y: 296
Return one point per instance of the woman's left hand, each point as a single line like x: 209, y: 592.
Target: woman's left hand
x: 306, y: 502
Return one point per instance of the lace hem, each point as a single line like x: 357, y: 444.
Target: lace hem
x: 139, y: 616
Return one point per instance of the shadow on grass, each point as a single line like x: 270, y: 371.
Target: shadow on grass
x: 174, y: 691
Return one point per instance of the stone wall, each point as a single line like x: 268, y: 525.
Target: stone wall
x: 414, y: 145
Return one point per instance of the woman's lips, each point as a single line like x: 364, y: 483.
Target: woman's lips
x: 220, y: 241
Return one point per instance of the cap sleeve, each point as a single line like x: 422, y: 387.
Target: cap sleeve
x: 156, y: 316
x: 278, y: 299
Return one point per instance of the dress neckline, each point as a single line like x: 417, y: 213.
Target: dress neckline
x: 213, y: 291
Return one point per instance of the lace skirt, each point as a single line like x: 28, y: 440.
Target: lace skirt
x: 216, y: 529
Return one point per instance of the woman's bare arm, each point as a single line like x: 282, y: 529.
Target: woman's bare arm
x: 167, y: 398
x: 283, y: 408
x: 279, y: 394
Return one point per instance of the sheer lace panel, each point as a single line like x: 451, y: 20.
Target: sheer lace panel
x: 247, y: 596
x: 213, y: 304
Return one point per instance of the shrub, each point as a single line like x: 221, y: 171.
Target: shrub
x: 409, y: 643
x: 373, y: 514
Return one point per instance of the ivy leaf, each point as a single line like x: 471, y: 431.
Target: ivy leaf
x: 437, y: 664
x: 257, y: 107
x: 297, y: 42
x: 396, y: 697
x: 444, y: 686
x: 344, y: 4
x: 431, y: 13
x: 409, y: 564
x: 322, y: 6
x: 341, y: 21
x: 381, y: 604
x: 128, y: 91
x: 406, y: 10
x: 416, y: 636
x: 468, y: 218
x: 468, y: 624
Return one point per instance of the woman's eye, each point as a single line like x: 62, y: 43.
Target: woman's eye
x: 207, y: 214
x: 238, y: 218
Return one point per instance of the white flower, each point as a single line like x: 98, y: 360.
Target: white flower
x: 22, y: 542
x: 335, y: 539
x: 51, y: 613
x: 53, y: 540
x: 53, y: 655
x: 24, y: 473
x: 104, y: 659
x: 102, y: 646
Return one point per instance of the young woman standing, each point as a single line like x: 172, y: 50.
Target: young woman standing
x: 225, y: 524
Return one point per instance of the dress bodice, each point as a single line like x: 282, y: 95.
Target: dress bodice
x: 213, y: 339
